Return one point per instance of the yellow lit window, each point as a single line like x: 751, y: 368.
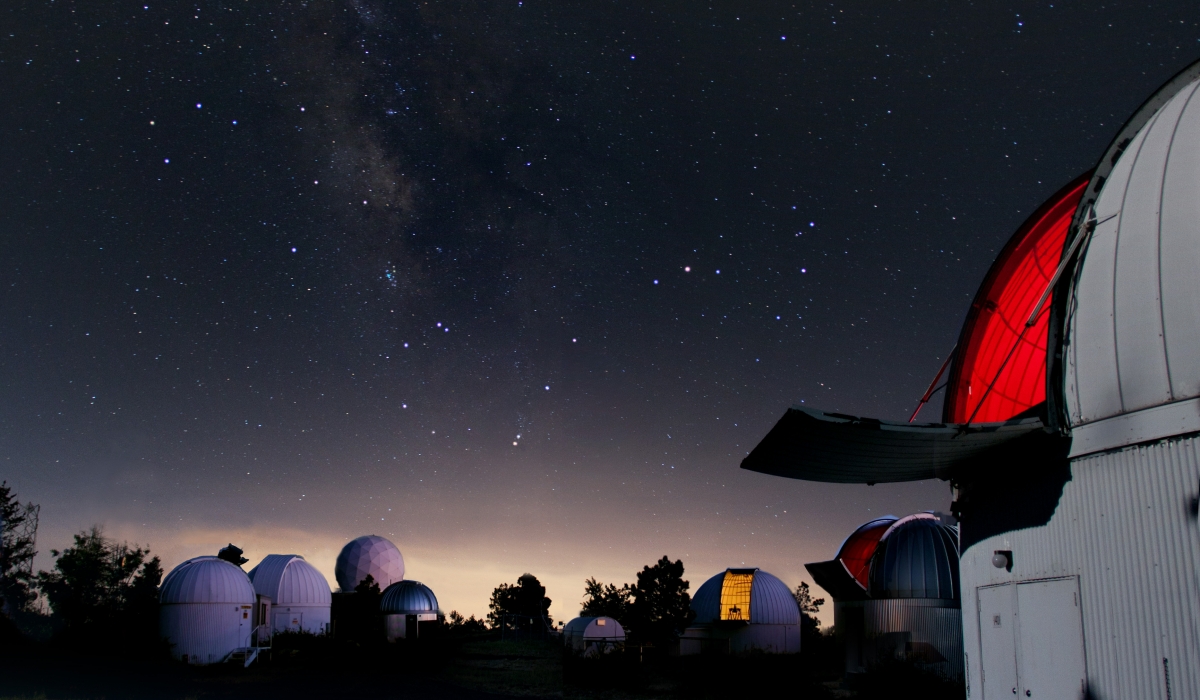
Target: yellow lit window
x: 601, y: 623
x: 735, y: 594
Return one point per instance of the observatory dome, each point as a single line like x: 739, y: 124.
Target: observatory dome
x: 747, y: 595
x: 206, y: 580
x: 205, y: 612
x: 408, y: 598
x: 369, y: 555
x: 916, y: 558
x: 289, y: 580
x: 593, y: 635
x: 740, y: 611
x: 1132, y: 338
x: 855, y: 553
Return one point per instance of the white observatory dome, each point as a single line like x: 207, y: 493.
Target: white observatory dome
x: 300, y: 597
x: 206, y: 580
x: 206, y: 610
x: 369, y: 554
x: 1133, y: 329
x: 591, y: 636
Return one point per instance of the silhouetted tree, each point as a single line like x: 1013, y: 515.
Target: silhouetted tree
x: 16, y: 552
x: 660, y: 607
x: 810, y: 626
x: 522, y: 606
x: 101, y: 588
x: 356, y: 614
x: 456, y: 623
x: 232, y: 554
x: 606, y: 599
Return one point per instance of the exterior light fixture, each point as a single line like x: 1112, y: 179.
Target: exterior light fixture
x: 1003, y: 559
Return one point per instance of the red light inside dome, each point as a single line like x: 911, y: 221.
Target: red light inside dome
x: 856, y: 551
x: 993, y: 347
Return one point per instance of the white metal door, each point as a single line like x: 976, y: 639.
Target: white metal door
x: 1051, y: 660
x: 997, y: 641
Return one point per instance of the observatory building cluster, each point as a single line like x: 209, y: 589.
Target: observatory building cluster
x: 1070, y: 434
x: 212, y: 611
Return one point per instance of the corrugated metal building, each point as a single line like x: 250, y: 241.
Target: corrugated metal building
x: 743, y: 610
x: 1070, y: 432
x: 405, y: 605
x: 297, y: 593
x: 895, y: 590
x: 206, y: 610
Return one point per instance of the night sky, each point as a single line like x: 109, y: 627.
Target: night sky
x: 516, y: 285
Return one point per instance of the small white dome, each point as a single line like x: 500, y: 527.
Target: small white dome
x: 1133, y: 331
x: 206, y: 580
x: 289, y: 580
x: 369, y: 555
x: 590, y: 629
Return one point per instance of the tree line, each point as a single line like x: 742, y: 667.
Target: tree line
x: 98, y: 587
x: 101, y: 587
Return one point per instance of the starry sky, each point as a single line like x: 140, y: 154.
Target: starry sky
x: 516, y: 284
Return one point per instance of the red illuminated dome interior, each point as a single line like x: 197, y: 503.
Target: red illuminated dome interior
x: 992, y: 331
x: 856, y: 551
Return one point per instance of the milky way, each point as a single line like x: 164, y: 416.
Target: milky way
x: 515, y: 284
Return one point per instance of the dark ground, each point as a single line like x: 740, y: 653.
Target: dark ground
x: 464, y: 668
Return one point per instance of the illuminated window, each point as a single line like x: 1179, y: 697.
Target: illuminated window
x: 735, y: 594
x: 601, y: 622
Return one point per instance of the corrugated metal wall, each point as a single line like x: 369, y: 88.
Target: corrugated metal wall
x: 205, y: 632
x: 874, y: 631
x: 313, y: 618
x: 921, y: 621
x: 1126, y: 527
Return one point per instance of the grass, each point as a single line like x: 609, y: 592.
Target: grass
x: 520, y: 669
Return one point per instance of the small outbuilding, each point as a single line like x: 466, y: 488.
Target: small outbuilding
x: 895, y: 589
x: 298, y: 595
x: 405, y: 605
x: 743, y: 610
x: 368, y: 555
x: 592, y: 636
x: 207, y: 610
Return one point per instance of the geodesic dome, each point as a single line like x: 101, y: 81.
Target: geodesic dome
x: 369, y: 555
